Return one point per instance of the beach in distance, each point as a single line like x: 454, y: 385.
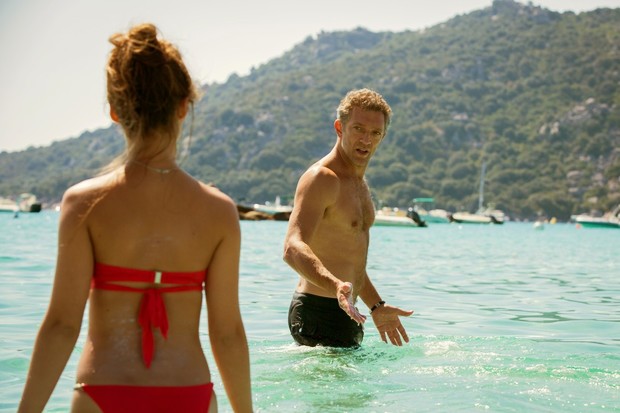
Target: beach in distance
x: 508, y: 318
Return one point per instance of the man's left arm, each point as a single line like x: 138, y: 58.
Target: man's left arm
x: 385, y: 316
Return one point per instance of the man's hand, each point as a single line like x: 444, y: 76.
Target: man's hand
x: 386, y: 319
x: 345, y: 300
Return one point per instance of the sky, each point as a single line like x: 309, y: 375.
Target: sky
x: 53, y: 53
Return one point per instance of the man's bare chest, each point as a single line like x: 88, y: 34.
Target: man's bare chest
x: 354, y: 207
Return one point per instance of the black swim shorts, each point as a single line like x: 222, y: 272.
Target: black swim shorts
x: 315, y: 320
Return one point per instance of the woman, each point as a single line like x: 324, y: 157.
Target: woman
x: 140, y: 243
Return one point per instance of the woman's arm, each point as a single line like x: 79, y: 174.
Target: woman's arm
x: 62, y: 322
x: 226, y: 330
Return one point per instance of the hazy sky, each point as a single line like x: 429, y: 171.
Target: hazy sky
x: 53, y: 52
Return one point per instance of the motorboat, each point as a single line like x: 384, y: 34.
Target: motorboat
x: 395, y: 217
x: 267, y: 211
x: 423, y: 207
x: 8, y: 205
x: 608, y: 220
x: 29, y: 203
x: 273, y: 208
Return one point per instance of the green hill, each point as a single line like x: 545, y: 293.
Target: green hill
x: 533, y: 93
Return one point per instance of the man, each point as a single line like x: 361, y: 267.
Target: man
x: 328, y: 235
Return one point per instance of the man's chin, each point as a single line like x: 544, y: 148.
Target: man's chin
x: 361, y: 161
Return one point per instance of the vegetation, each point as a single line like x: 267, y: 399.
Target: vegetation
x: 533, y: 93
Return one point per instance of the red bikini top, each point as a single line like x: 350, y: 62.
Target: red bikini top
x: 152, y: 309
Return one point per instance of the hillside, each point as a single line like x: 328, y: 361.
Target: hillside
x: 533, y: 93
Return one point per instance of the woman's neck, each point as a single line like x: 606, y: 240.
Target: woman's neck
x: 158, y: 160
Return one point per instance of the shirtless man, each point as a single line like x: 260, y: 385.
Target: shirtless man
x: 329, y: 231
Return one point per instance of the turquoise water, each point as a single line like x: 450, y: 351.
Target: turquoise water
x: 508, y: 319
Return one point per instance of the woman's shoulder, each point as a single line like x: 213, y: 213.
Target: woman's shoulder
x: 89, y: 189
x: 212, y: 193
x: 80, y: 199
x: 214, y: 199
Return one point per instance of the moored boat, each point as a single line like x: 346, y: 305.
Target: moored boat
x: 274, y: 208
x: 424, y: 208
x: 395, y: 217
x: 609, y: 220
x: 29, y: 203
x: 482, y: 215
x: 266, y: 211
x: 8, y: 205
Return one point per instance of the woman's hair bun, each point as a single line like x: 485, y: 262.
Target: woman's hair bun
x: 147, y: 80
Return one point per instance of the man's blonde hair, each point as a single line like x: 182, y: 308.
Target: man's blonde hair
x: 365, y: 99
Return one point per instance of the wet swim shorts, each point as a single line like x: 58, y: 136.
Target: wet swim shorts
x: 315, y: 320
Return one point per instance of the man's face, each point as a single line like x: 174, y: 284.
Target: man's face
x: 361, y: 135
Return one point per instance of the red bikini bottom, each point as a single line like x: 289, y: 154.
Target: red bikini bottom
x: 151, y: 399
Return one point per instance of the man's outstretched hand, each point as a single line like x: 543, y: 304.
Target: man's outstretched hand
x: 386, y: 318
x: 345, y: 300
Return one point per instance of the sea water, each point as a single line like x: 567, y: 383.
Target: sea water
x: 507, y: 319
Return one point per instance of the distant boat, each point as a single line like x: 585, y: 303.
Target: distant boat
x: 609, y: 220
x: 29, y: 203
x: 8, y: 205
x: 274, y: 208
x: 266, y: 211
x: 428, y: 214
x: 394, y: 217
x: 482, y: 215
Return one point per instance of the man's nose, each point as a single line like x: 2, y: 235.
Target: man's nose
x: 366, y: 138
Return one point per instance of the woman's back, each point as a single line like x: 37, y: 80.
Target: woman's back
x: 143, y: 219
x: 150, y: 220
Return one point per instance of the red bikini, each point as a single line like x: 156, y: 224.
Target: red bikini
x: 152, y: 308
x: 130, y: 398
x: 150, y: 399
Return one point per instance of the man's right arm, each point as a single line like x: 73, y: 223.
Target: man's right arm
x: 317, y: 189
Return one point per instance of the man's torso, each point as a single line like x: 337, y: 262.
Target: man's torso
x: 341, y: 237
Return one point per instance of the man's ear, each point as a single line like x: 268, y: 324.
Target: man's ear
x: 338, y: 127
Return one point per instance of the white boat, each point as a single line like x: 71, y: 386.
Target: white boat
x: 476, y: 218
x: 29, y: 203
x: 274, y: 208
x: 8, y: 205
x: 25, y: 203
x: 482, y: 215
x: 395, y: 217
x: 609, y: 220
x: 430, y: 216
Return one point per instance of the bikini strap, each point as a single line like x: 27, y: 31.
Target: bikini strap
x: 152, y: 312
